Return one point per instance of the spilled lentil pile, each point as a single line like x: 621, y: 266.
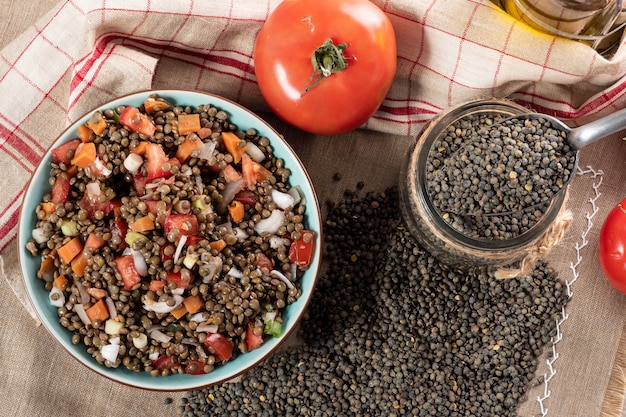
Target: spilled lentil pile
x: 493, y: 177
x: 391, y: 331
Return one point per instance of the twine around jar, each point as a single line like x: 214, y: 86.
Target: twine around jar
x: 551, y: 237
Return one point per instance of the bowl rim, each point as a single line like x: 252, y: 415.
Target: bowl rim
x: 313, y: 215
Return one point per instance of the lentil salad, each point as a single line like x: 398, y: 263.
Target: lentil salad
x: 191, y: 238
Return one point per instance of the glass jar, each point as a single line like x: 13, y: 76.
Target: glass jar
x: 429, y: 226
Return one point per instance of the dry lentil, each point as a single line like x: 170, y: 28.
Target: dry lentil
x: 193, y: 188
x: 396, y: 333
x: 492, y: 178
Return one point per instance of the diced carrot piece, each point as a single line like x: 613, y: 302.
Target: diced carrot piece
x: 183, y: 153
x: 79, y: 263
x: 97, y: 293
x: 179, y: 312
x: 98, y: 311
x: 236, y: 211
x: 70, y: 250
x: 218, y: 245
x: 231, y: 142
x: 193, y: 303
x: 94, y: 241
x: 142, y: 224
x: 152, y: 105
x: 84, y: 133
x: 204, y: 132
x: 48, y: 207
x: 188, y: 123
x: 97, y: 126
x: 60, y: 282
x: 46, y: 268
x: 140, y: 148
x: 85, y: 155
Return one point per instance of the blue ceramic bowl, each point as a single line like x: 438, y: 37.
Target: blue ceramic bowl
x: 243, y: 119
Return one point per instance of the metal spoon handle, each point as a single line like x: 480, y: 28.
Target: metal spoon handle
x: 587, y: 134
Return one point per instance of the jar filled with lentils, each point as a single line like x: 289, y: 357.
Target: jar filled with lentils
x: 451, y: 227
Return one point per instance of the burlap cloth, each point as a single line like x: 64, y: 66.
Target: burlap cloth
x: 59, y: 60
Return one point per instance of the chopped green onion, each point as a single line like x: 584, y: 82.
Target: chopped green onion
x: 132, y: 237
x: 69, y: 228
x: 273, y: 327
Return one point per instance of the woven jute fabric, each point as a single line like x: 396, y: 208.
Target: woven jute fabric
x: 60, y: 59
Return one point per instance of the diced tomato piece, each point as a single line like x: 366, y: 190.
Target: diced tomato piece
x: 263, y: 261
x: 136, y: 121
x: 194, y: 367
x: 60, y: 190
x: 155, y: 160
x: 252, y: 171
x: 193, y: 240
x: 125, y: 265
x: 221, y: 346
x: 247, y: 197
x: 65, y: 152
x: 187, y: 224
x: 139, y: 183
x: 164, y: 256
x: 253, y: 340
x: 230, y: 174
x: 164, y: 362
x: 301, y: 250
x: 177, y: 278
x: 91, y: 204
x: 120, y: 228
x: 156, y: 285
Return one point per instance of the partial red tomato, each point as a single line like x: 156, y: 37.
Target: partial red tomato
x: 253, y: 340
x: 301, y: 250
x: 325, y: 66
x: 60, y: 190
x: 120, y: 228
x: 125, y: 265
x: 164, y: 362
x: 194, y: 367
x: 65, y: 152
x: 177, y: 278
x: 136, y: 121
x: 221, y: 346
x: 156, y: 158
x: 187, y: 224
x: 612, y: 247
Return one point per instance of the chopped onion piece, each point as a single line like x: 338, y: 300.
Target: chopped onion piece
x: 113, y: 327
x: 230, y: 190
x: 207, y: 328
x: 140, y: 262
x: 271, y: 224
x: 39, y: 235
x: 187, y: 341
x: 100, y: 167
x: 282, y: 200
x: 56, y: 296
x: 162, y: 307
x: 296, y: 193
x: 154, y: 355
x: 93, y: 188
x: 213, y: 265
x: 84, y: 296
x: 276, y: 242
x: 110, y: 352
x: 205, y: 151
x: 240, y: 234
x: 80, y: 310
x: 201, y: 353
x: 270, y: 315
x: 159, y: 336
x: 234, y: 272
x: 178, y: 291
x: 133, y: 162
x: 199, y: 184
x: 179, y: 247
x: 114, y: 340
x: 140, y: 341
x: 111, y: 307
x: 255, y: 153
x: 199, y: 317
x: 283, y: 278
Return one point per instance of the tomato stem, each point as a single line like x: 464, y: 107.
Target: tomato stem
x: 327, y: 59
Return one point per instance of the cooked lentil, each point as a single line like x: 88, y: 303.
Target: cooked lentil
x: 492, y: 178
x: 234, y: 280
x: 392, y: 332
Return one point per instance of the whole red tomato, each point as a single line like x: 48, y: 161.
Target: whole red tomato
x: 325, y: 66
x: 612, y: 247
